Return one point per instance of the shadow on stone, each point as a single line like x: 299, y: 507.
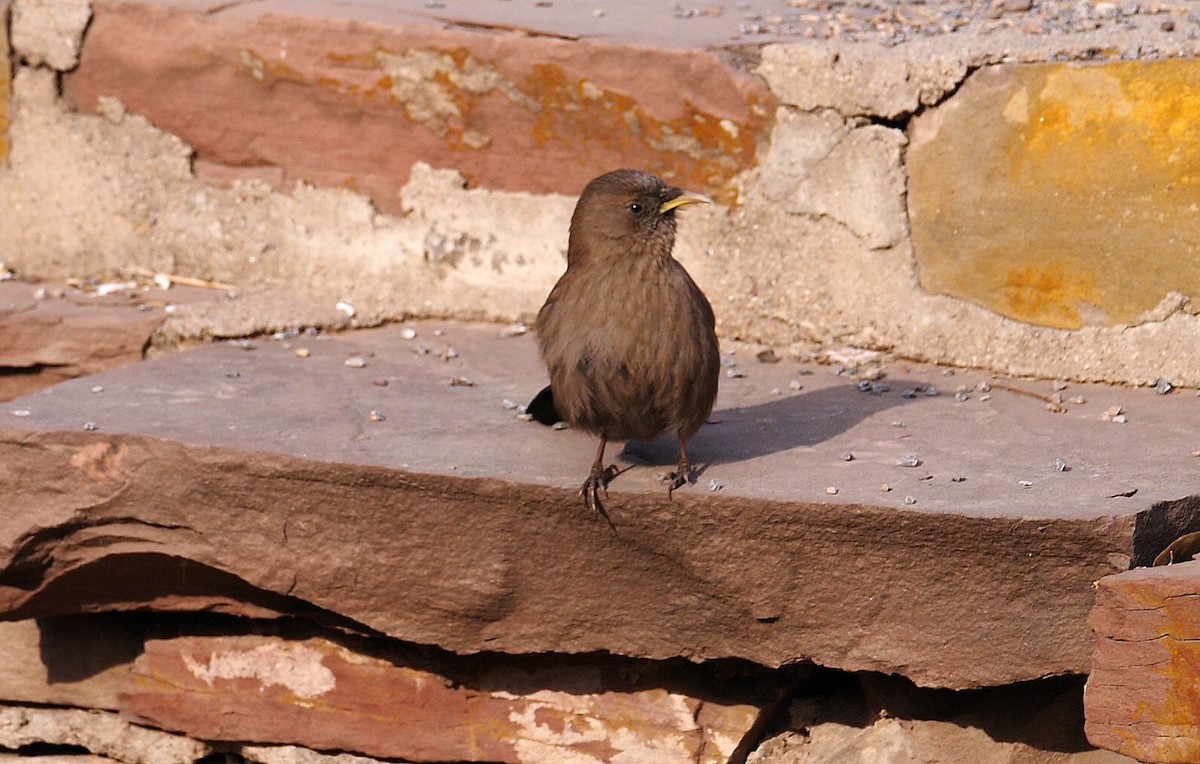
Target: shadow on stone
x: 793, y: 421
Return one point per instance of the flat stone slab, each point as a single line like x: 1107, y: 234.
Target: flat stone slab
x: 246, y: 478
x: 50, y: 332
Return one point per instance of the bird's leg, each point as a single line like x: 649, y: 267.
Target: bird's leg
x: 597, y: 479
x: 683, y: 472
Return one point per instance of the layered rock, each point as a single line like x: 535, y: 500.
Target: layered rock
x: 1141, y: 697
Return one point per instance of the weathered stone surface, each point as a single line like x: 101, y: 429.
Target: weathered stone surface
x: 257, y: 479
x: 323, y: 696
x: 819, y: 165
x: 49, y: 32
x: 1142, y: 697
x: 874, y: 719
x: 869, y: 79
x: 100, y: 732
x: 74, y: 661
x: 1053, y: 193
x: 5, y: 87
x: 44, y: 340
x: 509, y: 112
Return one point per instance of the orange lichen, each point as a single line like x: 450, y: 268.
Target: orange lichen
x: 455, y: 95
x: 1047, y: 295
x: 1174, y: 718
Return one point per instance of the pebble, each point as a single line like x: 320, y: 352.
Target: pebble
x: 1111, y: 413
x: 908, y: 460
x: 715, y: 485
x: 515, y: 330
x: 733, y: 373
x: 910, y: 500
x: 380, y: 382
x: 408, y: 333
x: 560, y: 426
x: 776, y: 391
x: 355, y: 362
x: 510, y: 404
x: 767, y: 356
x: 962, y: 396
x: 847, y: 457
x: 461, y: 382
x: 90, y: 426
x: 1059, y: 385
x: 885, y: 488
x: 376, y: 416
x: 1060, y: 465
x: 1163, y: 386
x: 795, y: 385
x: 347, y: 309
x: 303, y: 352
x: 525, y: 417
x: 1025, y: 483
x: 1078, y: 400
x: 97, y: 388
x: 831, y: 490
x: 449, y: 352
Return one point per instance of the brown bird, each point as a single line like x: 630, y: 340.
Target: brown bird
x: 627, y: 336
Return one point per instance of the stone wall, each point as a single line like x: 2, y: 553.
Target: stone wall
x: 990, y: 198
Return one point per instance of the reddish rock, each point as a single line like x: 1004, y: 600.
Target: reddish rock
x: 44, y: 341
x: 256, y: 481
x: 343, y: 103
x: 323, y: 696
x: 75, y: 661
x: 1143, y: 695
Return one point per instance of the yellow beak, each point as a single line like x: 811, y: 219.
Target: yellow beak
x: 687, y: 197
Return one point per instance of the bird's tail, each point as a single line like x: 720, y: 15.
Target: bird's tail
x: 542, y: 408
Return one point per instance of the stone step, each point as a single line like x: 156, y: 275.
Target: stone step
x: 270, y: 477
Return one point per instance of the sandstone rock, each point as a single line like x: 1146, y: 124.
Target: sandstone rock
x: 102, y: 733
x: 507, y: 111
x: 49, y: 31
x: 255, y: 482
x: 323, y: 696
x: 1141, y: 696
x: 74, y: 661
x: 44, y: 341
x: 1052, y: 193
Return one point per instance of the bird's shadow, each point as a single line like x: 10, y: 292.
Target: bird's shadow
x: 792, y: 421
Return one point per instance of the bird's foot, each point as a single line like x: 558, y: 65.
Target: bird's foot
x: 678, y: 479
x: 590, y: 490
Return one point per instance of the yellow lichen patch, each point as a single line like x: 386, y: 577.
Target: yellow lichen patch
x: 1063, y: 195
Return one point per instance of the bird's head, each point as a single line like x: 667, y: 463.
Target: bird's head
x: 626, y: 213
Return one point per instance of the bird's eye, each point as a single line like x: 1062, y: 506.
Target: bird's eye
x: 635, y: 208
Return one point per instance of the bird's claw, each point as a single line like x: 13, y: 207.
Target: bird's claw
x: 678, y: 479
x: 590, y: 491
